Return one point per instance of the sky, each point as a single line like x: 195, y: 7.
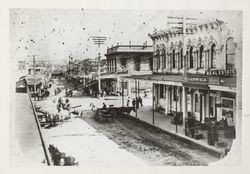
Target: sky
x: 54, y: 34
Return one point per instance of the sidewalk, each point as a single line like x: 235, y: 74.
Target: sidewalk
x: 25, y: 147
x: 89, y: 147
x: 163, y: 122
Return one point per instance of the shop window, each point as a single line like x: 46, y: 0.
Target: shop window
x: 211, y: 106
x: 228, y: 110
x: 230, y: 54
x: 175, y: 94
x: 161, y: 91
x: 197, y: 103
x: 213, y: 56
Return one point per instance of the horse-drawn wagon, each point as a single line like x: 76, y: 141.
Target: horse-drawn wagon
x: 101, y: 114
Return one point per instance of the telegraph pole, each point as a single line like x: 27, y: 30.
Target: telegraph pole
x: 99, y: 40
x: 34, y: 72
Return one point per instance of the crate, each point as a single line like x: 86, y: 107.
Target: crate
x: 198, y: 136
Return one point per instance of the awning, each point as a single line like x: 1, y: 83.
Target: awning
x: 196, y: 85
x: 91, y: 83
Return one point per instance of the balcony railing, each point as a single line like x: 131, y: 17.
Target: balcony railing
x: 132, y: 48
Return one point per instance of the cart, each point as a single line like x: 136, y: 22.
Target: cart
x: 108, y: 114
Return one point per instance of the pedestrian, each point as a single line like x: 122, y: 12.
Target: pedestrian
x: 137, y: 102
x: 66, y: 91
x: 59, y: 104
x: 128, y: 101
x: 68, y: 107
x: 133, y: 103
x: 140, y: 101
x: 55, y: 91
x: 104, y: 106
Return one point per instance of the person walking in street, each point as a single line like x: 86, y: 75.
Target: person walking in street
x: 133, y: 104
x: 140, y: 101
x: 137, y: 102
x: 59, y: 104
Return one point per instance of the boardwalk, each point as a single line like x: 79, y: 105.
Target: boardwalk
x: 25, y: 142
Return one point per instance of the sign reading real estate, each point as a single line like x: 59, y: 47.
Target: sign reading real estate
x: 224, y: 72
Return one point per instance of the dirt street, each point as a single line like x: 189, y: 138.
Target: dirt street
x: 151, y: 145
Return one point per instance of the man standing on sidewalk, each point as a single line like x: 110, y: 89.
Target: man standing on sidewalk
x: 128, y: 101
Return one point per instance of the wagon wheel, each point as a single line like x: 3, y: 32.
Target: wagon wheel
x: 100, y: 119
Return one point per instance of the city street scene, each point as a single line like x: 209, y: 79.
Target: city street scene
x: 124, y: 87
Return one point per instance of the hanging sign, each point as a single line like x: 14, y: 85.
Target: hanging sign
x: 197, y: 79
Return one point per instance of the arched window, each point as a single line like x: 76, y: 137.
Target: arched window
x: 213, y: 56
x: 163, y: 58
x: 230, y: 54
x: 191, y: 59
x: 173, y: 58
x: 201, y: 57
x: 181, y: 58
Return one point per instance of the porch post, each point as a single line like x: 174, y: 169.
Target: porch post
x: 153, y: 103
x: 184, y: 106
x: 129, y: 88
x: 166, y: 100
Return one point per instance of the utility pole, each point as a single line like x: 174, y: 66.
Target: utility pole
x: 34, y: 71
x: 99, y: 40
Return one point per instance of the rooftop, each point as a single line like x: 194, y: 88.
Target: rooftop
x: 130, y: 48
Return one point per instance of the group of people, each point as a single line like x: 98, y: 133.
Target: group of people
x: 136, y: 102
x: 63, y: 106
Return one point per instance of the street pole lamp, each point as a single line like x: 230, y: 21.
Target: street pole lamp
x: 99, y: 40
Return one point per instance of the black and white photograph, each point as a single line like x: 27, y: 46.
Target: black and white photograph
x: 117, y: 87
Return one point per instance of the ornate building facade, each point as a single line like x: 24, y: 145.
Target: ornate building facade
x: 194, y: 74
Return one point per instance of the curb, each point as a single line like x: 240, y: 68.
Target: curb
x: 185, y: 139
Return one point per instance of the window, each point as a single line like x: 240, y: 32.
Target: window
x: 191, y: 59
x: 163, y: 58
x: 181, y: 58
x: 151, y: 64
x: 157, y: 59
x: 201, y: 57
x: 230, y: 54
x: 197, y: 103
x: 228, y: 110
x: 137, y: 63
x: 123, y: 63
x: 161, y: 91
x: 176, y: 59
x: 211, y: 106
x: 213, y: 56
x: 173, y: 58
